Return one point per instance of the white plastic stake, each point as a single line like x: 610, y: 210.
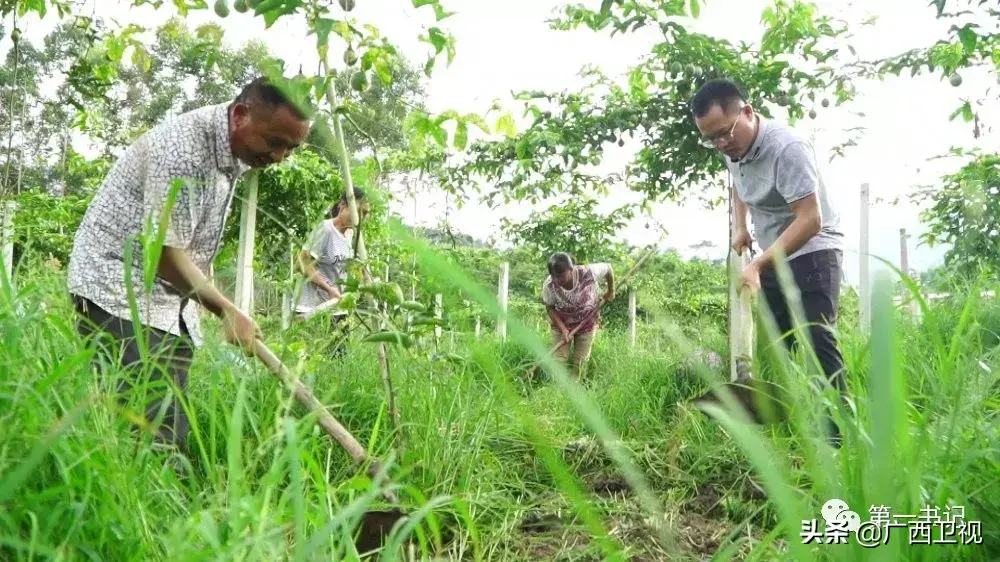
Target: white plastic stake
x: 865, y: 281
x: 244, y: 255
x: 7, y: 237
x: 904, y: 266
x: 437, y: 314
x: 741, y: 324
x: 631, y: 317
x: 502, y: 297
x: 286, y: 293
x: 904, y: 262
x: 741, y: 318
x: 413, y: 297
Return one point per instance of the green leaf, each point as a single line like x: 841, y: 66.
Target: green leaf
x: 383, y: 71
x: 32, y: 5
x: 521, y: 150
x: 274, y: 9
x: 420, y: 3
x: 267, y: 6
x: 345, y: 30
x: 967, y: 113
x: 437, y: 38
x: 440, y: 13
x: 141, y: 60
x: 105, y: 72
x: 417, y: 121
x: 505, y: 125
x: 695, y: 9
x: 182, y: 7
x: 115, y: 48
x: 440, y: 135
x: 968, y: 37
x: 322, y: 27
x: 606, y: 7
x: 478, y: 121
x: 319, y: 85
x: 956, y: 113
x: 461, y: 135
x: 446, y: 115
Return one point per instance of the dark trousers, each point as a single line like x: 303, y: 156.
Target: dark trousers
x: 168, y: 361
x: 817, y: 275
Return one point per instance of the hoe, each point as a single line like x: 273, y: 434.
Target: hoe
x: 375, y: 525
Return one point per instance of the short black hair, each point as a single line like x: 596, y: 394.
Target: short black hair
x: 262, y: 91
x: 335, y: 209
x: 720, y: 91
x: 559, y: 263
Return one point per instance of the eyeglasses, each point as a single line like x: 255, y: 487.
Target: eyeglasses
x: 725, y: 137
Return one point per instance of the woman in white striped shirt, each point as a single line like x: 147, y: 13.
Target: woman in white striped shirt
x: 324, y: 260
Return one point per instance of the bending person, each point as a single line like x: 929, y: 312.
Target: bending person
x: 201, y: 153
x: 323, y: 261
x: 570, y: 297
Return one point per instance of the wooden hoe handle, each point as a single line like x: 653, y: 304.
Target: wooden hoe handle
x: 305, y: 397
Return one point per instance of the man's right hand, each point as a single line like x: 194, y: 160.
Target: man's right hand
x: 240, y: 330
x: 741, y: 240
x: 333, y: 292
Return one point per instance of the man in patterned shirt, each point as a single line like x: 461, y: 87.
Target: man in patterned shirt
x: 194, y: 158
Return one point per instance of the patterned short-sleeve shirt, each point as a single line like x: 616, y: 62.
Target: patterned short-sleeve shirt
x: 575, y: 306
x: 192, y: 151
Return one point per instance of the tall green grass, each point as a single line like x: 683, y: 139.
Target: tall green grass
x: 486, y: 449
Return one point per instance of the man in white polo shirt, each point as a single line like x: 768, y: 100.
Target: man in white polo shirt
x: 777, y: 179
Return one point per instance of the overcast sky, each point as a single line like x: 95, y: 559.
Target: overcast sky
x: 506, y: 46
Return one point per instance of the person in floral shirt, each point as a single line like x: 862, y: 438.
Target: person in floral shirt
x: 571, y: 299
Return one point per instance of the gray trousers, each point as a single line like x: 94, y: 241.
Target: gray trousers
x: 168, y: 361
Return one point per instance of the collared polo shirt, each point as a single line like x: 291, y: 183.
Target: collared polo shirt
x: 779, y: 169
